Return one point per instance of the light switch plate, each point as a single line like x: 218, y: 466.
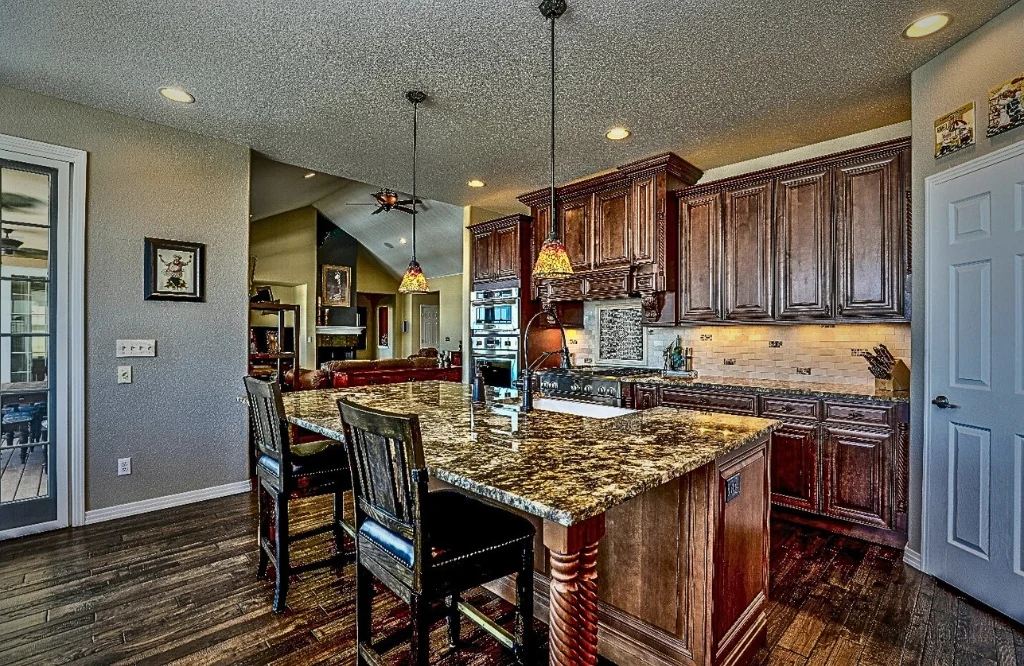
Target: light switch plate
x: 126, y: 348
x: 124, y: 374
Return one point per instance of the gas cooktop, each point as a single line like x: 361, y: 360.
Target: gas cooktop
x: 603, y: 372
x: 590, y: 384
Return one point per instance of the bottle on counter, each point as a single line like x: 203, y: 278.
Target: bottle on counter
x: 479, y: 386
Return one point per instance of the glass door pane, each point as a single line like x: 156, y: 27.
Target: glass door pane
x: 27, y: 221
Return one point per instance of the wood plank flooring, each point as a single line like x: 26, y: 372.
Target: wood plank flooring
x: 178, y: 586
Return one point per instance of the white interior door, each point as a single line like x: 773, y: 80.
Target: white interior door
x: 430, y: 326
x: 974, y: 434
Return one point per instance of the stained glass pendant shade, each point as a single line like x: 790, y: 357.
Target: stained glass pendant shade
x: 553, y: 260
x: 414, y: 281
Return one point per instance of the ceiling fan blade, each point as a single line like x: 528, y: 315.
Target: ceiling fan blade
x: 379, y: 209
x: 409, y: 201
x: 403, y: 209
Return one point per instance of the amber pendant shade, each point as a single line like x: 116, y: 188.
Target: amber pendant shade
x: 414, y: 281
x: 553, y: 261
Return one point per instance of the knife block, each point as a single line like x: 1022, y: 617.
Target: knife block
x: 900, y: 380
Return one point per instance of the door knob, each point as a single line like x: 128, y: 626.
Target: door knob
x: 942, y: 402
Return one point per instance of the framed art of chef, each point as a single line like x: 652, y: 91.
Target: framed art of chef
x: 175, y: 270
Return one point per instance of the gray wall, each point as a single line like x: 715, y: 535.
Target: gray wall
x: 178, y: 421
x: 964, y: 72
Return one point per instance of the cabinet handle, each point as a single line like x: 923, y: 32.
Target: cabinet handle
x: 839, y: 308
x: 856, y: 415
x: 787, y: 408
x: 704, y: 401
x: 828, y: 310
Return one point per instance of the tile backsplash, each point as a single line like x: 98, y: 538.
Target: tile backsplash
x: 807, y: 352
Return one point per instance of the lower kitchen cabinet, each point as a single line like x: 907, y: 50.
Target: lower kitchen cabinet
x: 794, y: 465
x: 857, y: 475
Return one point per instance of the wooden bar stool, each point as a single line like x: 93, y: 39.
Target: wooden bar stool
x: 292, y: 471
x: 427, y: 546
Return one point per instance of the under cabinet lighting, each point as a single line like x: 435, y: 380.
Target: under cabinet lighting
x: 926, y: 25
x: 177, y: 95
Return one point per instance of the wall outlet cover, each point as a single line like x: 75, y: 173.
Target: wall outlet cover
x: 124, y: 466
x: 775, y: 344
x: 129, y: 348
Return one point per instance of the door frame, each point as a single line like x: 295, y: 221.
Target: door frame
x: 70, y: 317
x: 930, y: 185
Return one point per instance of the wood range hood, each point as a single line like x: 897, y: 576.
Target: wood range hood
x: 621, y: 232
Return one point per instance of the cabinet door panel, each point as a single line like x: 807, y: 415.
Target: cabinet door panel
x: 483, y: 268
x: 748, y: 245
x: 869, y: 238
x: 506, y: 252
x: 700, y: 251
x: 803, y: 233
x: 857, y: 476
x: 645, y: 229
x: 575, y: 226
x: 611, y: 229
x: 645, y: 397
x: 795, y: 465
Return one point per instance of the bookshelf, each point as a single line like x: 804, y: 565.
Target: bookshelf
x: 274, y: 336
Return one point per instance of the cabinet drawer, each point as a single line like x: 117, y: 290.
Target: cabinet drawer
x: 790, y: 408
x: 567, y: 289
x: 858, y: 414
x: 615, y: 285
x: 714, y: 402
x: 643, y: 282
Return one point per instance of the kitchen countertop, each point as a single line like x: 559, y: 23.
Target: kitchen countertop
x: 561, y: 467
x: 767, y: 386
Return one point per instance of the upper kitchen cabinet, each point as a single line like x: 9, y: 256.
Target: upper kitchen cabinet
x: 501, y: 251
x: 700, y: 257
x: 748, y: 252
x: 803, y: 242
x: 869, y: 222
x: 818, y: 240
x: 620, y: 234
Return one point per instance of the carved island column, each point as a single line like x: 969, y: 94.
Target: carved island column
x: 572, y: 621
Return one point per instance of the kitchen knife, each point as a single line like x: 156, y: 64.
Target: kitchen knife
x: 887, y: 355
x: 883, y: 359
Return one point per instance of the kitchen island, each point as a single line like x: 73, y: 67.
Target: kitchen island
x: 677, y: 499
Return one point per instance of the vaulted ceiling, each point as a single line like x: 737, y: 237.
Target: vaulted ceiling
x: 320, y: 83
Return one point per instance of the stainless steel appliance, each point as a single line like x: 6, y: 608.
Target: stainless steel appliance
x: 495, y: 311
x: 597, y: 385
x: 497, y: 356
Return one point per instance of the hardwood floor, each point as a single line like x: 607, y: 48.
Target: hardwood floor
x: 179, y: 586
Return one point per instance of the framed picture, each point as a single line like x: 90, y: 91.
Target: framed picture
x: 1006, y: 106
x: 955, y: 131
x: 273, y: 344
x: 175, y: 270
x: 336, y: 283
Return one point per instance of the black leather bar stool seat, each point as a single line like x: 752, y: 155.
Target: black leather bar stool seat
x: 427, y: 546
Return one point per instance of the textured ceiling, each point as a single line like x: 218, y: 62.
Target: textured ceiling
x: 320, y: 83
x: 438, y: 230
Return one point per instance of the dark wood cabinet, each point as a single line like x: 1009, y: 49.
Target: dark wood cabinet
x: 836, y: 464
x: 576, y: 231
x: 700, y: 252
x: 857, y: 482
x: 803, y: 237
x: 612, y: 229
x: 748, y: 257
x: 645, y: 205
x: 869, y: 236
x: 501, y: 251
x: 794, y: 469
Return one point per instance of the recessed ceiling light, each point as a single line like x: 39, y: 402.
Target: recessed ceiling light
x: 402, y: 241
x: 927, y: 25
x: 476, y: 183
x: 617, y: 133
x: 177, y: 95
x: 310, y: 174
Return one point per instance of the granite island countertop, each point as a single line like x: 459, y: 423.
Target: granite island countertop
x: 775, y: 386
x: 561, y: 467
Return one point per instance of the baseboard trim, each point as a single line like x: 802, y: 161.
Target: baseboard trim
x: 912, y: 558
x: 167, y: 502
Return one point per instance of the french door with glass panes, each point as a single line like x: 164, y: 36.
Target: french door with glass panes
x: 32, y: 453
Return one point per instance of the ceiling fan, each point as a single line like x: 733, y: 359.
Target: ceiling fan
x: 387, y: 200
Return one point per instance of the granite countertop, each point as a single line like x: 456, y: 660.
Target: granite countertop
x: 561, y: 467
x: 767, y: 386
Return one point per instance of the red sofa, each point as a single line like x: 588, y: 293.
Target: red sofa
x: 388, y: 371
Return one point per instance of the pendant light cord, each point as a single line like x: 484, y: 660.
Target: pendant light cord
x: 415, y: 109
x: 554, y: 207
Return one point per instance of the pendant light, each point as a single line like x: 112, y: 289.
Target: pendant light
x: 553, y: 260
x: 414, y: 281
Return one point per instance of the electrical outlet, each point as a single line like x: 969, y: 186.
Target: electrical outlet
x: 124, y: 466
x: 774, y: 344
x: 124, y: 374
x: 127, y: 348
x: 730, y: 361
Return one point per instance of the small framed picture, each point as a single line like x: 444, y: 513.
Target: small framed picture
x: 1006, y: 106
x: 175, y: 270
x: 336, y: 284
x: 955, y: 131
